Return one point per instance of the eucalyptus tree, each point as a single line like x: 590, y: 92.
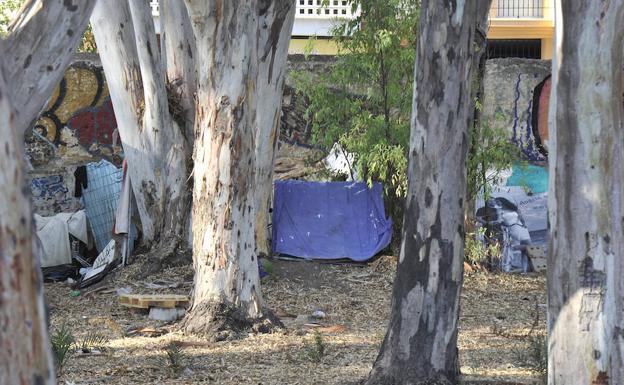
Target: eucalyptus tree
x: 420, y: 346
x: 34, y: 53
x: 586, y: 200
x: 198, y: 121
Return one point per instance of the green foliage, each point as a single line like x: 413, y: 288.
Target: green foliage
x: 314, y: 349
x: 87, y: 44
x: 476, y: 252
x: 62, y: 342
x: 92, y: 341
x: 491, y: 152
x: 8, y: 10
x: 364, y: 102
x: 268, y: 266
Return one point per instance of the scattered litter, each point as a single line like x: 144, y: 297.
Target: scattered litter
x: 167, y: 315
x: 74, y: 293
x: 318, y: 314
x: 105, y: 262
x: 123, y: 290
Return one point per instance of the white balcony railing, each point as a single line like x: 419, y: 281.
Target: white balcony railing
x: 305, y: 9
x: 517, y: 9
x: 314, y: 9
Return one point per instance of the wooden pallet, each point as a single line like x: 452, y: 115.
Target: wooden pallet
x: 145, y: 301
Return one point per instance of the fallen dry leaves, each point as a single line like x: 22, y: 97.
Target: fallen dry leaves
x: 354, y: 298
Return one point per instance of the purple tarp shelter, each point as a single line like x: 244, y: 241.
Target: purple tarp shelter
x: 329, y: 220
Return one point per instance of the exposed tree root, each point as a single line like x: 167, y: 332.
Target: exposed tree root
x: 219, y: 321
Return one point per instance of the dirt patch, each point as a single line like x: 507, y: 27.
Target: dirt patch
x: 497, y: 311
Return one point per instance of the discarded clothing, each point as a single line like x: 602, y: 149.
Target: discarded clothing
x: 81, y: 182
x: 329, y: 220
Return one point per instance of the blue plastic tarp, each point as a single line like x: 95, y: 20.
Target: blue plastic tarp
x: 329, y: 220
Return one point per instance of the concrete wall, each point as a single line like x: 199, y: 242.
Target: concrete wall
x: 508, y: 101
x: 78, y: 125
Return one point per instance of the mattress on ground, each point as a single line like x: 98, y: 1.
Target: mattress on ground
x: 329, y: 220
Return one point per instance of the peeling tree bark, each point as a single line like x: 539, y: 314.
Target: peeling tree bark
x: 276, y: 20
x: 420, y: 346
x: 36, y: 55
x: 177, y: 44
x: 231, y: 37
x: 153, y: 142
x: 585, y: 266
x: 25, y: 356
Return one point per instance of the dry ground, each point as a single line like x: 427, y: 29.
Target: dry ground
x: 497, y: 311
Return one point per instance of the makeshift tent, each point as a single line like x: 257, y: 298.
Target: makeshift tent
x: 329, y: 220
x: 53, y: 234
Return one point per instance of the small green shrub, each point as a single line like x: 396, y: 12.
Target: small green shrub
x: 315, y: 349
x: 476, y: 252
x: 62, y: 342
x: 268, y: 266
x: 92, y: 341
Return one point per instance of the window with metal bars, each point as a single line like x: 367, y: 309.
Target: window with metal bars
x: 523, y: 48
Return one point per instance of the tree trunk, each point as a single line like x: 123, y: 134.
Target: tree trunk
x: 585, y: 266
x: 229, y: 37
x: 177, y: 44
x: 276, y: 22
x: 153, y: 142
x: 420, y: 346
x: 36, y: 55
x: 24, y: 346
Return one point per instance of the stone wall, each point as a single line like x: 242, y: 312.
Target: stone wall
x: 512, y: 101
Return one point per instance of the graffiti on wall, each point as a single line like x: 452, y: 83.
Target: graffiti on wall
x: 539, y: 122
x: 523, y: 134
x: 51, y: 186
x: 53, y: 194
x: 82, y: 104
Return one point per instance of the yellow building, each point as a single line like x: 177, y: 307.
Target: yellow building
x: 517, y: 28
x: 521, y: 28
